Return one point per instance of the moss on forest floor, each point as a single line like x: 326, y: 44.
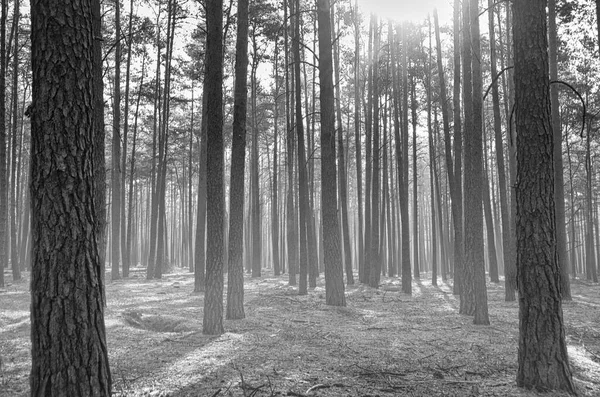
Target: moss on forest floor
x: 384, y: 343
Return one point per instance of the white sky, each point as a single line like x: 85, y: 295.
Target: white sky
x: 411, y: 10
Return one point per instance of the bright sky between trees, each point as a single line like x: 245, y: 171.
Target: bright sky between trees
x: 408, y: 10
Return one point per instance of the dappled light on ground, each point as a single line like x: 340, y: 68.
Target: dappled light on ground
x: 383, y: 343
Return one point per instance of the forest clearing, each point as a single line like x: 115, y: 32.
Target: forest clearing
x: 384, y: 343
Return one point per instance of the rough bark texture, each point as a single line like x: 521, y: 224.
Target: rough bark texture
x: 99, y: 140
x: 235, y: 277
x: 213, y: 300
x: 334, y: 276
x: 68, y: 343
x: 543, y: 361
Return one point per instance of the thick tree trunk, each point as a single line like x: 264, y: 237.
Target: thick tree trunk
x: 403, y: 170
x: 334, y: 275
x: 213, y: 300
x: 235, y: 277
x: 543, y: 360
x: 68, y: 343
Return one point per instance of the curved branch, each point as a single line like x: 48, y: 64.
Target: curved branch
x: 496, y: 79
x: 580, y: 98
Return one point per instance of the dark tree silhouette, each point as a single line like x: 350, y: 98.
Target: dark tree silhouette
x: 543, y: 361
x: 68, y: 342
x: 213, y: 300
x: 235, y: 278
x: 334, y: 276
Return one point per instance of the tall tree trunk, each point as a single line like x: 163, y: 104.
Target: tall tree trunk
x: 368, y: 159
x: 303, y: 182
x: 213, y: 300
x: 403, y: 170
x: 200, y: 243
x: 334, y: 274
x: 125, y: 248
x: 3, y: 155
x: 474, y: 251
x: 343, y: 185
x: 291, y: 224
x: 415, y: 197
x: 99, y: 161
x: 254, y: 174
x: 68, y: 338
x: 375, y: 256
x: 457, y: 199
x: 14, y: 253
x: 133, y: 199
x: 116, y: 154
x: 235, y: 277
x: 357, y: 140
x: 543, y: 360
x: 432, y: 161
x: 275, y: 190
x: 559, y: 181
x: 498, y: 140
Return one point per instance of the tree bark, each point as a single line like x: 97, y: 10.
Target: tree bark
x: 235, y: 277
x: 543, y: 360
x: 68, y: 343
x: 116, y: 154
x: 213, y: 299
x: 334, y: 276
x: 559, y: 182
x: 375, y: 256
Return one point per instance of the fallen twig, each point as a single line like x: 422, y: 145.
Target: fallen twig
x: 317, y: 387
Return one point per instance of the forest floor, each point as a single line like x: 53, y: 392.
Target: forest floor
x: 384, y: 343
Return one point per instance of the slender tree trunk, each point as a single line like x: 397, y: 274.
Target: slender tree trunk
x: 498, y: 141
x: 343, y: 185
x: 334, y: 273
x: 559, y: 182
x: 357, y: 140
x: 415, y: 197
x: 368, y: 159
x: 403, y: 171
x: 235, y: 278
x: 457, y: 199
x: 303, y: 182
x: 375, y: 256
x: 3, y: 154
x: 14, y: 253
x: 200, y: 243
x: 125, y: 248
x: 275, y: 190
x: 543, y: 360
x: 116, y: 154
